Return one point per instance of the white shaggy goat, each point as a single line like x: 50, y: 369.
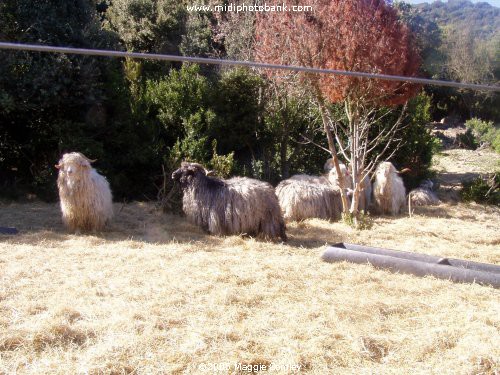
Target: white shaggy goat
x: 303, y: 196
x: 235, y: 206
x: 334, y: 178
x: 309, y: 178
x: 389, y: 192
x: 86, y: 201
x: 423, y: 195
x: 366, y: 185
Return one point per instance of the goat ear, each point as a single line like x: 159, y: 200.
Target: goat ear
x: 209, y: 173
x: 58, y: 166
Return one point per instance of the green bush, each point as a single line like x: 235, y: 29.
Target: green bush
x: 222, y: 165
x: 482, y: 190
x: 494, y: 136
x: 54, y: 103
x: 478, y: 126
x: 179, y: 104
x: 467, y: 140
x: 437, y: 145
x: 485, y: 131
x: 238, y: 127
x: 287, y: 118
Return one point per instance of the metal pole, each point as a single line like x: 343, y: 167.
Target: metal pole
x: 251, y: 64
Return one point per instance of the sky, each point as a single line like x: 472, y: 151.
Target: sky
x: 492, y: 2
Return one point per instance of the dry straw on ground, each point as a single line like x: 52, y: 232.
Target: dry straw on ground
x: 156, y: 295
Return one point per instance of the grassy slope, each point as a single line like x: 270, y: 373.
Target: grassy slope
x: 459, y: 161
x: 155, y: 294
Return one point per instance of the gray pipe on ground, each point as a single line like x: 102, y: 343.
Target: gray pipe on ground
x: 416, y: 264
x: 421, y: 257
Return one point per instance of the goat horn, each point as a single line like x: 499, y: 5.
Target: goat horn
x: 86, y: 158
x: 405, y: 170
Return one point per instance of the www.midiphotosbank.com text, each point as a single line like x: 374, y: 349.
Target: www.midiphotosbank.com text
x: 249, y: 8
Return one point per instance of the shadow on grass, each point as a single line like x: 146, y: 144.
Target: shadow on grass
x: 447, y: 178
x: 41, y: 222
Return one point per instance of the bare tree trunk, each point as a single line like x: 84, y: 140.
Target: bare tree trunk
x: 360, y: 117
x: 355, y: 200
x: 353, y: 116
x: 285, y: 164
x: 333, y: 152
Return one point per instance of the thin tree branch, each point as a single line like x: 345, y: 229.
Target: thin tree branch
x: 310, y: 141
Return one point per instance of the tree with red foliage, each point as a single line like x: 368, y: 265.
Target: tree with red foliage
x: 350, y: 35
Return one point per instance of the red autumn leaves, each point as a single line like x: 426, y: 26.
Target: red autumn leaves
x: 351, y: 35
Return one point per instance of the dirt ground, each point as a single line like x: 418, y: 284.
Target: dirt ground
x: 156, y: 295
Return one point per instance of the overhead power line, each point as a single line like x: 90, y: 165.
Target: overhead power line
x: 203, y: 60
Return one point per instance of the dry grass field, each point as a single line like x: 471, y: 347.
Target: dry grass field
x: 155, y: 295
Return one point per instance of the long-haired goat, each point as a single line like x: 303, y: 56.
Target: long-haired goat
x: 366, y: 185
x: 303, y: 196
x: 238, y: 205
x: 423, y: 195
x: 308, y: 178
x: 331, y: 172
x: 86, y: 200
x: 388, y: 190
